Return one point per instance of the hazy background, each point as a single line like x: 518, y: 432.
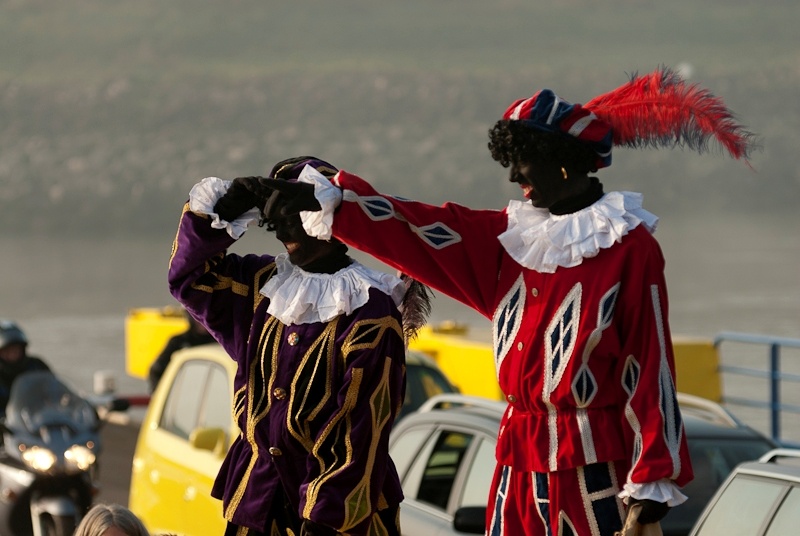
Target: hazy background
x: 111, y: 110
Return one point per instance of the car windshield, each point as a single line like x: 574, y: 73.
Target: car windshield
x: 40, y: 399
x: 713, y: 459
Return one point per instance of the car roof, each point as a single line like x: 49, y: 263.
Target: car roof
x: 703, y: 418
x: 453, y: 409
x: 782, y: 464
x: 701, y: 428
x: 211, y: 352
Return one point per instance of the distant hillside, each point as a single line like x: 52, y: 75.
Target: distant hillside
x: 110, y: 111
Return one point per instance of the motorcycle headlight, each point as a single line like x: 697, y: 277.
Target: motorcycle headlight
x: 79, y: 457
x: 40, y: 459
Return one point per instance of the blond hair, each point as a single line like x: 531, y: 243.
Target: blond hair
x: 102, y: 517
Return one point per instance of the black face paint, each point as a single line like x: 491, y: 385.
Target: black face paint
x: 543, y: 184
x: 305, y: 251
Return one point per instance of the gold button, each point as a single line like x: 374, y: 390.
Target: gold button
x: 535, y: 292
x: 511, y: 398
x: 275, y: 451
x: 293, y: 339
x: 279, y: 393
x: 519, y: 346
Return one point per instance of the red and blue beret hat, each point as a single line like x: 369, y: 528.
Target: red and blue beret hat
x: 547, y: 112
x: 655, y: 110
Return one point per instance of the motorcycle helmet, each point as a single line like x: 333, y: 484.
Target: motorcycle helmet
x: 10, y: 333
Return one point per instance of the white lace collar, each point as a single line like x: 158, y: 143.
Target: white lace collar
x: 542, y: 241
x: 300, y: 297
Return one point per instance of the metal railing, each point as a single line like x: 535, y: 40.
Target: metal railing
x: 772, y: 373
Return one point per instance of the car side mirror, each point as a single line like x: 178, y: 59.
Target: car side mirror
x: 470, y: 519
x: 212, y: 439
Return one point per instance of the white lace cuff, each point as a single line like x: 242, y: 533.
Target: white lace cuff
x: 663, y: 491
x: 319, y: 223
x: 205, y: 194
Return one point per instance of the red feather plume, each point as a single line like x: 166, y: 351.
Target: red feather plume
x: 661, y: 110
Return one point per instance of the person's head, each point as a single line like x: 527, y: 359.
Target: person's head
x: 13, y: 342
x: 110, y: 520
x: 304, y: 251
x: 550, y: 146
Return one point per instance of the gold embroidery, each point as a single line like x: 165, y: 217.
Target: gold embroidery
x: 329, y: 170
x: 366, y: 334
x: 223, y: 282
x: 177, y: 234
x: 377, y: 527
x: 316, y: 366
x: 357, y: 504
x: 343, y: 419
x: 257, y: 283
x: 269, y: 335
x: 238, y: 403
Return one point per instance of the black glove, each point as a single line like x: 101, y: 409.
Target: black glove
x: 310, y: 528
x: 652, y: 511
x: 243, y: 194
x: 289, y: 198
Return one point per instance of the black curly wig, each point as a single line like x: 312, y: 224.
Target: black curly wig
x: 513, y: 142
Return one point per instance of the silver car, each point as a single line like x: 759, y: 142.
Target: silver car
x: 759, y: 498
x: 444, y: 453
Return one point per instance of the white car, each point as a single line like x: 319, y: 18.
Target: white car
x: 759, y: 498
x: 445, y: 456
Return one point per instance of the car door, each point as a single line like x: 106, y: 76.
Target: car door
x: 214, y: 415
x: 172, y: 477
x: 452, y: 468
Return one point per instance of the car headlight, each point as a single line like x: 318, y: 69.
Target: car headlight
x: 79, y: 457
x: 39, y: 459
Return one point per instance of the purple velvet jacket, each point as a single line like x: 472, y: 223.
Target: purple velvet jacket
x: 314, y: 402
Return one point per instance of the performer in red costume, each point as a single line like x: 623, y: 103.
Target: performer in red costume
x: 573, y: 282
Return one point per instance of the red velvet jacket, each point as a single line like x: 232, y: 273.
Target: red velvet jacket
x: 584, y: 353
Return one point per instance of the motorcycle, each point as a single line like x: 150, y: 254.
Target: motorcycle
x: 48, y: 460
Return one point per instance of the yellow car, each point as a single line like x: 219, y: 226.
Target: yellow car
x: 188, y: 429
x: 183, y: 439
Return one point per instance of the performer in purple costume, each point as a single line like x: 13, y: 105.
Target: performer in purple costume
x: 321, y: 365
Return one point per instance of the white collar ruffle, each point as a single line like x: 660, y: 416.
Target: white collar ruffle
x: 542, y: 241
x: 300, y: 297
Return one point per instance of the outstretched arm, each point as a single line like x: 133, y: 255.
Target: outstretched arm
x: 450, y: 248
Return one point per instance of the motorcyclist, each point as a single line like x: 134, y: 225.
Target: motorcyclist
x: 14, y: 359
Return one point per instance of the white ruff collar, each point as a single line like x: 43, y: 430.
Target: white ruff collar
x: 542, y: 241
x: 300, y: 297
